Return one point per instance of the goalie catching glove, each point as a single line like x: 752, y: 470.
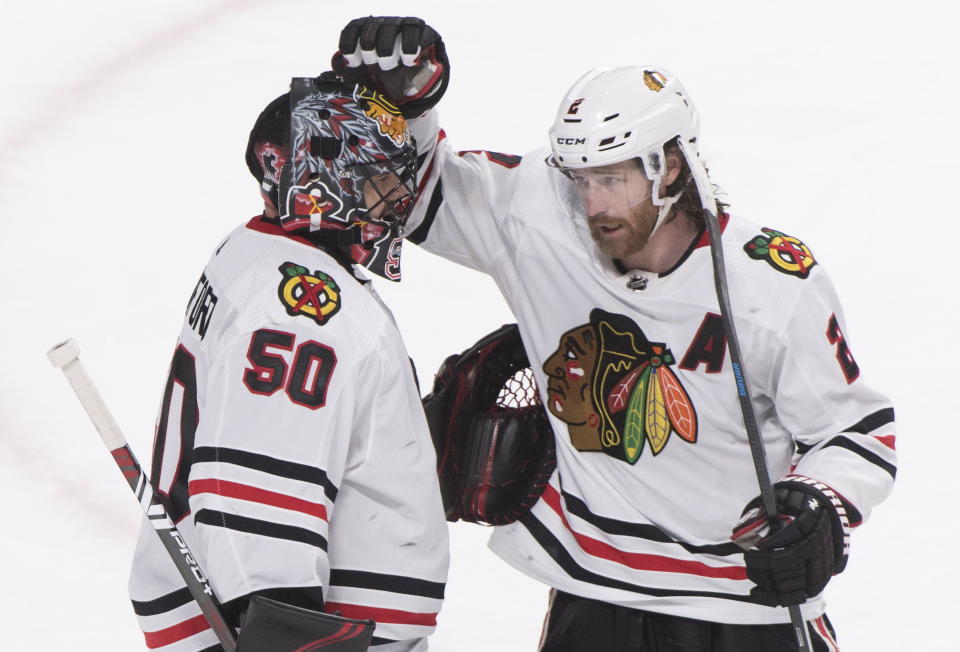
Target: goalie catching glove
x: 795, y: 562
x: 403, y: 58
x: 495, y: 448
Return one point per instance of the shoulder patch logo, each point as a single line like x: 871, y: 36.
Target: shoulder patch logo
x: 615, y: 389
x: 784, y: 253
x: 315, y: 295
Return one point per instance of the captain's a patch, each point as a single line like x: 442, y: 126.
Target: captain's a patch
x: 783, y: 252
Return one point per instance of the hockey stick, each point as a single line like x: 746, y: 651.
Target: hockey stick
x: 757, y: 450
x: 66, y: 356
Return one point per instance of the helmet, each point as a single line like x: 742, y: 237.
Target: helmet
x: 615, y: 114
x: 338, y: 163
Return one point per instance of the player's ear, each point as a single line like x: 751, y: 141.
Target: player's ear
x: 674, y: 166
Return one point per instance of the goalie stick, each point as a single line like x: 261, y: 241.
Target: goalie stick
x: 65, y: 356
x: 757, y: 450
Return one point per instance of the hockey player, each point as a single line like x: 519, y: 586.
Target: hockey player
x: 291, y: 444
x: 598, y: 246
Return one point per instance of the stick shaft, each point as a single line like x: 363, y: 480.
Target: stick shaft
x: 65, y: 356
x: 757, y: 450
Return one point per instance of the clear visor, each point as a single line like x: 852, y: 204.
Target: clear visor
x: 609, y: 191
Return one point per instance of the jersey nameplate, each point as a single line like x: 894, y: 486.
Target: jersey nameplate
x: 315, y: 295
x: 200, y: 307
x: 615, y: 390
x: 783, y: 252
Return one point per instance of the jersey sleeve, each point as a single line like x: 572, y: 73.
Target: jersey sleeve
x: 463, y: 200
x: 388, y: 537
x: 844, y: 431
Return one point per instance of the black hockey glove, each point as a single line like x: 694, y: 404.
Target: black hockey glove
x: 495, y: 447
x: 403, y: 58
x: 271, y: 626
x: 795, y: 562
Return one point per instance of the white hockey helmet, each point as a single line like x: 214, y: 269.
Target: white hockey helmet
x: 615, y: 114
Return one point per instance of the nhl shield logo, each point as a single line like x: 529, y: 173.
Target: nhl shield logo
x: 315, y: 295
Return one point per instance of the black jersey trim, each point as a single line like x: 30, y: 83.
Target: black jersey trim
x: 870, y: 423
x: 870, y: 456
x: 579, y: 508
x: 376, y: 640
x: 163, y: 604
x: 864, y: 426
x: 261, y: 528
x: 267, y: 464
x: 213, y: 648
x: 419, y: 234
x: 552, y: 546
x: 383, y: 582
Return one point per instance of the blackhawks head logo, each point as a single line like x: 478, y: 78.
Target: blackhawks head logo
x: 615, y: 389
x: 784, y: 253
x: 315, y: 295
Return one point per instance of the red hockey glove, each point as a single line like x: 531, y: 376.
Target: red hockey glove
x: 795, y: 562
x: 403, y: 58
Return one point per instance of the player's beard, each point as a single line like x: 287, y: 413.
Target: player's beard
x: 631, y: 235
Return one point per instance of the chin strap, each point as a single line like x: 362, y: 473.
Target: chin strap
x: 666, y: 204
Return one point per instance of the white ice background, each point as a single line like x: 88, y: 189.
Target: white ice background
x: 123, y: 126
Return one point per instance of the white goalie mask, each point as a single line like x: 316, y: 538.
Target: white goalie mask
x: 612, y: 115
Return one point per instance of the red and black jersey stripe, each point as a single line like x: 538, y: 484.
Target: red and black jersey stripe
x: 163, y: 604
x: 384, y: 582
x: 578, y: 508
x: 556, y: 550
x: 865, y: 426
x: 267, y: 464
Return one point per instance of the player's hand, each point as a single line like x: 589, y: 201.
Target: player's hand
x: 795, y: 562
x: 403, y: 58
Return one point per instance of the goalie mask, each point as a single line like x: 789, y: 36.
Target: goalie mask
x: 612, y: 115
x: 337, y: 163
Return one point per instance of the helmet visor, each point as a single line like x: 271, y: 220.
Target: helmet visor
x: 609, y: 191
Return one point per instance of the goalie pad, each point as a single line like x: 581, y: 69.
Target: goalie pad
x: 270, y: 626
x: 495, y: 448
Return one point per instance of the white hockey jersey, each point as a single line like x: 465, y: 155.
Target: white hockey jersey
x: 292, y: 451
x: 654, y: 465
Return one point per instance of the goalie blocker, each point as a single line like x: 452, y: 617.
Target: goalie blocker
x: 495, y: 448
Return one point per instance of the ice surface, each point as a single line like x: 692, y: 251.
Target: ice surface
x: 123, y: 126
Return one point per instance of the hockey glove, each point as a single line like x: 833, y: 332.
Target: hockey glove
x: 403, y: 58
x: 795, y: 562
x: 271, y: 626
x: 495, y: 447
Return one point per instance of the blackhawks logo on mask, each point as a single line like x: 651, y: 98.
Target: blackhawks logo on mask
x: 315, y: 295
x: 615, y: 389
x: 784, y: 253
x: 387, y: 116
